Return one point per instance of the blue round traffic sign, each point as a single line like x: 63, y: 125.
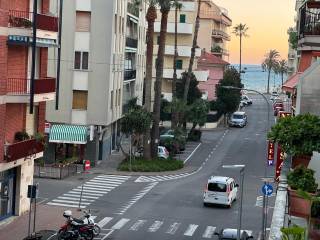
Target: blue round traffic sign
x: 267, y: 189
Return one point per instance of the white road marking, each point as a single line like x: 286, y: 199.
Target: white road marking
x: 65, y: 205
x: 79, y: 189
x: 76, y: 191
x: 155, y: 226
x: 173, y: 228
x: 120, y: 224
x: 78, y: 195
x: 77, y: 198
x: 209, y: 232
x: 137, y: 225
x: 104, y: 221
x: 192, y: 153
x: 191, y: 229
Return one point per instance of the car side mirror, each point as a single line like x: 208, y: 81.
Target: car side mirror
x: 237, y: 185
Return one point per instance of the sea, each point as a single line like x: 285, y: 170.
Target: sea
x: 255, y: 78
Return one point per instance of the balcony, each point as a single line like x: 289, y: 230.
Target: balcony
x: 22, y: 19
x: 183, y: 51
x: 18, y: 90
x: 22, y: 150
x: 131, y: 42
x: 220, y: 34
x: 202, y: 76
x: 133, y: 9
x: 220, y: 17
x: 129, y: 75
x: 183, y: 28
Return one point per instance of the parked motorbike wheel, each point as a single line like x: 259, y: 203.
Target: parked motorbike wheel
x: 88, y: 235
x: 64, y: 235
x: 96, y: 230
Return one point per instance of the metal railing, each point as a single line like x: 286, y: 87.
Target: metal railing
x: 129, y: 74
x: 221, y: 34
x: 21, y: 86
x: 131, y: 42
x: 24, y: 19
x: 309, y: 22
x: 56, y: 172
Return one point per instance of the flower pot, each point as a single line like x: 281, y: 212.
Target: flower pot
x: 300, y: 160
x: 298, y: 206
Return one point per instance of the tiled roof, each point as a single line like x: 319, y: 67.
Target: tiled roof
x: 292, y: 81
x: 209, y: 58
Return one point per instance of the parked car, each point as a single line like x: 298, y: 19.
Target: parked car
x: 220, y: 190
x: 277, y: 104
x: 231, y: 234
x: 238, y: 119
x: 163, y: 153
x: 173, y: 141
x: 277, y: 110
x: 274, y: 95
x: 246, y: 100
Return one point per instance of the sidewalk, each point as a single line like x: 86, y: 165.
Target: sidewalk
x: 48, y: 218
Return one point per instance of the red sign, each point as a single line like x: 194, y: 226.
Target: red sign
x: 270, y: 153
x: 86, y: 165
x: 280, y: 159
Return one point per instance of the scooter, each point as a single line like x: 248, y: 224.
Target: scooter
x: 90, y: 221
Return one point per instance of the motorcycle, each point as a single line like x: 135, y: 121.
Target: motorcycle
x: 75, y: 229
x: 90, y: 221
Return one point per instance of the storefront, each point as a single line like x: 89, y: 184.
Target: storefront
x: 7, y: 193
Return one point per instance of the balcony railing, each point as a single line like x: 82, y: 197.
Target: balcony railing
x: 22, y: 149
x: 21, y: 86
x: 133, y: 9
x: 220, y: 33
x: 23, y: 19
x: 131, y: 42
x: 129, y: 74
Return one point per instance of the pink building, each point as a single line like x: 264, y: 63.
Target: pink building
x: 216, y: 67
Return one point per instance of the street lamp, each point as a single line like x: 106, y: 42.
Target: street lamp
x: 241, y: 167
x: 264, y: 209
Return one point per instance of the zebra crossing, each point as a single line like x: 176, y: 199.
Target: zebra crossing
x: 259, y: 201
x: 89, y: 191
x: 161, y: 178
x: 108, y: 224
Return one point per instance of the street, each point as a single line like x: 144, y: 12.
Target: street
x: 167, y: 206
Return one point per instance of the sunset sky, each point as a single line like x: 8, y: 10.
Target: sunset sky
x: 268, y: 22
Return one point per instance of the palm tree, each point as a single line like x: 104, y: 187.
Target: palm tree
x: 193, y: 51
x: 269, y: 64
x: 164, y: 9
x: 241, y: 31
x: 174, y: 115
x: 282, y: 69
x: 150, y: 17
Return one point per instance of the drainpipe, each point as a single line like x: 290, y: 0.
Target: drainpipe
x: 33, y: 61
x: 59, y: 54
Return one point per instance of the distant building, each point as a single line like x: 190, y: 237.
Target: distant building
x: 17, y: 152
x: 214, y: 28
x: 102, y: 67
x: 216, y: 66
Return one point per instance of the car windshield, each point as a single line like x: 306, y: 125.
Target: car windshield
x: 217, y: 187
x: 237, y: 116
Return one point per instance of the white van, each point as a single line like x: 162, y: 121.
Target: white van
x: 220, y: 190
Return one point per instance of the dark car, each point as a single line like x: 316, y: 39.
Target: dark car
x: 231, y: 234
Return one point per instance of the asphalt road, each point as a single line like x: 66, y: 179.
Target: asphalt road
x: 171, y: 207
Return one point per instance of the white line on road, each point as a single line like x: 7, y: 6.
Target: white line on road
x: 120, y: 224
x: 209, y: 232
x: 155, y: 226
x: 173, y: 228
x: 137, y: 225
x: 192, y: 153
x: 104, y: 221
x: 191, y: 229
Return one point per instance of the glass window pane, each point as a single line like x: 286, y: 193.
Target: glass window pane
x: 77, y: 60
x: 85, y: 56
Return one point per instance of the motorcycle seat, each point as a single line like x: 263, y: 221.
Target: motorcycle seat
x: 78, y: 221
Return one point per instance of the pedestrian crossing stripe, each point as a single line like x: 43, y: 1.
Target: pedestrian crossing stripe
x: 154, y: 226
x: 89, y: 191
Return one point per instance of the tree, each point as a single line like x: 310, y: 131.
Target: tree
x: 197, y: 113
x: 150, y: 17
x: 164, y: 9
x: 228, y: 99
x: 270, y: 63
x: 174, y: 119
x: 282, y: 69
x: 241, y: 31
x: 193, y: 52
x: 193, y: 93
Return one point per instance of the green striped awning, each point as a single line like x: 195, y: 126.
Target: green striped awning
x: 68, y: 134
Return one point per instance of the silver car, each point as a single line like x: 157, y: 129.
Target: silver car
x: 238, y: 119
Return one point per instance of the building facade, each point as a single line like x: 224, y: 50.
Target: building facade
x: 215, y: 20
x: 102, y: 67
x: 18, y: 127
x: 186, y: 24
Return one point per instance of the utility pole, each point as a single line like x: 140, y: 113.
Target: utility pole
x: 33, y: 61
x: 59, y: 54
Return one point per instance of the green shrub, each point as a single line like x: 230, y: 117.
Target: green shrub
x: 21, y: 136
x: 195, y: 135
x: 302, y: 178
x: 155, y: 165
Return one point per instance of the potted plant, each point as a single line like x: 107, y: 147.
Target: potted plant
x: 298, y: 136
x: 300, y: 178
x: 295, y: 233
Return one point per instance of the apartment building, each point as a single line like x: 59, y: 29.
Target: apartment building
x: 102, y: 67
x: 18, y: 128
x: 186, y: 23
x: 214, y: 28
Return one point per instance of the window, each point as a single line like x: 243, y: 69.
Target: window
x: 80, y: 100
x: 179, y: 64
x: 217, y: 187
x: 111, y: 102
x: 182, y: 18
x: 81, y: 60
x: 158, y: 40
x: 83, y: 21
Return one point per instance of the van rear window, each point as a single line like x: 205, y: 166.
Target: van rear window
x: 217, y: 187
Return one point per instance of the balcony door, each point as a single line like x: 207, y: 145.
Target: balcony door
x: 7, y: 193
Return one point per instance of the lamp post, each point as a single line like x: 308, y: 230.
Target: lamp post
x: 264, y: 209
x: 241, y: 167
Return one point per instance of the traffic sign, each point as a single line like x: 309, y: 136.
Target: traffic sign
x: 267, y: 189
